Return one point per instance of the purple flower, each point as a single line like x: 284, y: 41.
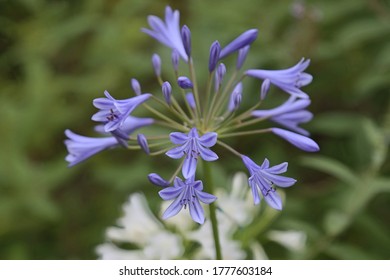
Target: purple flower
x: 215, y: 49
x: 156, y: 62
x: 242, y: 54
x: 157, y: 180
x: 299, y: 141
x: 143, y: 143
x: 136, y: 87
x: 189, y: 193
x: 290, y: 114
x: 219, y: 75
x: 235, y: 98
x: 175, y: 60
x: 168, y: 32
x: 263, y: 178
x: 184, y: 82
x: 290, y: 80
x: 186, y: 37
x: 114, y: 112
x: 240, y: 42
x: 191, y: 100
x: 81, y: 147
x: 167, y: 91
x: 192, y: 146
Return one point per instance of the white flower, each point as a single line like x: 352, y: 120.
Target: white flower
x: 141, y: 228
x: 293, y: 240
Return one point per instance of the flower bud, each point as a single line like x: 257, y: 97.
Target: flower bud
x: 156, y: 179
x: 175, y: 59
x: 264, y: 88
x: 191, y: 100
x: 184, y: 82
x: 136, y: 87
x: 186, y: 37
x: 141, y: 139
x: 167, y: 91
x: 215, y: 49
x: 156, y: 61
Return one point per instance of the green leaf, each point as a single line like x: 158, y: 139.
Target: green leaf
x: 331, y: 167
x: 335, y: 222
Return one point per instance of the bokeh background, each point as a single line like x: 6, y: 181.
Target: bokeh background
x: 58, y: 55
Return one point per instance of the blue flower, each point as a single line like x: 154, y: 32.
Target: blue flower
x: 290, y: 114
x: 81, y: 147
x: 188, y: 193
x: 290, y: 80
x: 113, y: 112
x: 263, y: 178
x: 192, y: 146
x: 242, y: 41
x: 302, y: 142
x: 168, y: 32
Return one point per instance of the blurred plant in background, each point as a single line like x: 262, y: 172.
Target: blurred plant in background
x: 55, y: 56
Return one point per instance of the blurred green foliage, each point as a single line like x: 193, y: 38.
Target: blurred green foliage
x: 56, y: 56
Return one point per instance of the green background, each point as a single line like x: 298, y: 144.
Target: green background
x: 57, y: 56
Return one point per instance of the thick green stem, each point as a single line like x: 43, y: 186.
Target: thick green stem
x: 209, y: 186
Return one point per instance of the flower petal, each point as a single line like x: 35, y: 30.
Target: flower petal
x: 196, y: 212
x: 208, y: 139
x: 170, y: 193
x: 207, y: 154
x: 176, y: 152
x: 206, y: 198
x: 189, y: 167
x: 173, y: 209
x: 178, y: 138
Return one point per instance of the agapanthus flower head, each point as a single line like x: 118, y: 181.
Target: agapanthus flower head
x: 168, y: 32
x: 289, y: 80
x: 263, y: 179
x: 192, y: 118
x: 186, y: 193
x: 192, y: 146
x: 113, y: 112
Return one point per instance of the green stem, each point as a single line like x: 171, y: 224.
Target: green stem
x: 209, y: 185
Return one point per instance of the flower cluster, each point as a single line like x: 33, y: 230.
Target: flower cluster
x: 197, y: 120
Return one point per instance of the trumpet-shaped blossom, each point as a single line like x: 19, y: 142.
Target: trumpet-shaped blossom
x: 192, y: 147
x: 188, y: 193
x: 113, y: 112
x: 81, y: 147
x: 263, y: 178
x: 290, y: 114
x: 289, y: 80
x: 168, y: 32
